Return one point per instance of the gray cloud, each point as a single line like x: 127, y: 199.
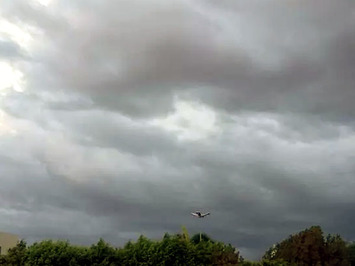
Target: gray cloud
x: 236, y: 58
x: 9, y: 50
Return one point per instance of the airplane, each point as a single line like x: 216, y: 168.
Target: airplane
x: 198, y: 214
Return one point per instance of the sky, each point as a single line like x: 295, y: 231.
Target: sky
x: 119, y: 118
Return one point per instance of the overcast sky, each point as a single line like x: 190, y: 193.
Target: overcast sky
x: 119, y: 118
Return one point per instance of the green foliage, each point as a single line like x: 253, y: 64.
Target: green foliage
x: 309, y: 247
x: 224, y: 254
x: 177, y: 250
x: 59, y: 253
x: 351, y: 253
x: 140, y: 253
x: 336, y: 251
x: 100, y: 254
x: 16, y: 256
x: 276, y: 262
x: 185, y: 233
x: 171, y: 250
x: 250, y: 263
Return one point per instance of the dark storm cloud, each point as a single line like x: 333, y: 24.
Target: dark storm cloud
x: 275, y: 56
x: 259, y: 184
x: 185, y: 59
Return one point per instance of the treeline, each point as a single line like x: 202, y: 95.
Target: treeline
x: 308, y: 247
x: 176, y: 249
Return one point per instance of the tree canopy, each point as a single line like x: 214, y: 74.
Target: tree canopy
x: 308, y: 247
x: 170, y: 250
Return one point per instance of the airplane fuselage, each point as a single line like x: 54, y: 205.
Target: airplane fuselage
x: 199, y: 215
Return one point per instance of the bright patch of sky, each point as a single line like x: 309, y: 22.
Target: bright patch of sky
x: 190, y: 121
x: 16, y: 33
x: 5, y: 125
x: 10, y: 78
x: 44, y: 2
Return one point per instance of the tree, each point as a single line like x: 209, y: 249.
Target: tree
x: 176, y: 249
x: 336, y: 251
x: 309, y: 247
x: 101, y: 254
x: 304, y: 248
x: 16, y: 256
x: 59, y: 253
x: 351, y: 253
x: 224, y: 254
x: 142, y: 252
